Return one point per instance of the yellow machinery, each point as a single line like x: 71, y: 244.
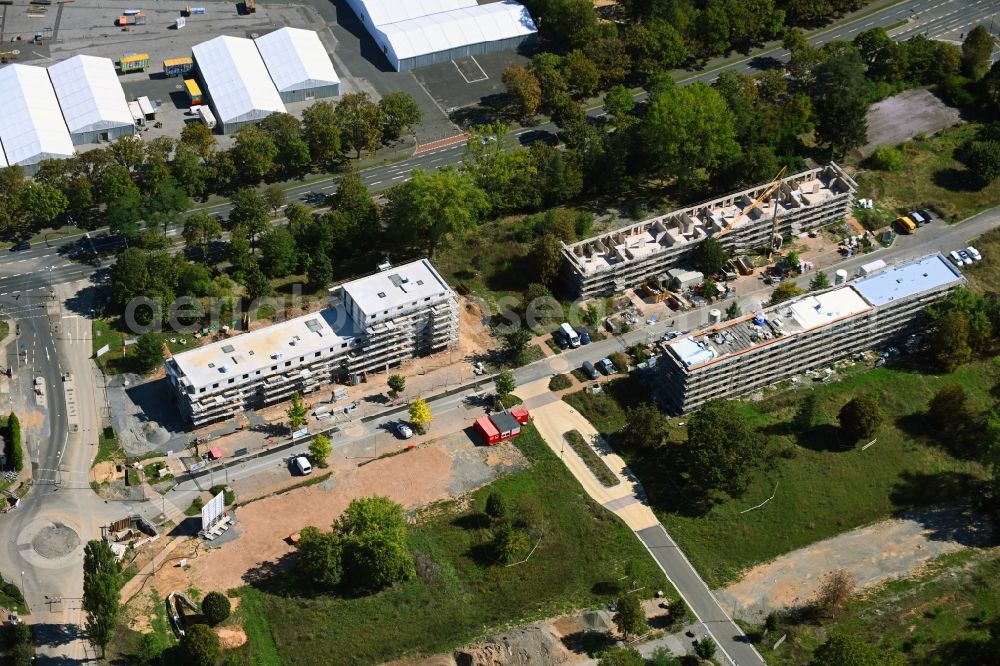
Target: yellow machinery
x: 768, y: 191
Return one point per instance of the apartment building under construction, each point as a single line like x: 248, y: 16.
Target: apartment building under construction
x: 732, y: 358
x: 629, y: 256
x: 373, y: 323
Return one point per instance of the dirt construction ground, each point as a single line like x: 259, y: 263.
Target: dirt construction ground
x: 447, y: 468
x: 873, y: 554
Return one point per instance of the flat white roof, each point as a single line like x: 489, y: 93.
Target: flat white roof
x: 392, y: 11
x: 237, y: 80
x: 296, y: 59
x: 89, y: 93
x: 458, y: 27
x: 31, y: 124
x: 245, y: 354
x: 393, y: 287
x: 919, y: 275
x: 814, y: 310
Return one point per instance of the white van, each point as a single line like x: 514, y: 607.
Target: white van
x: 302, y: 465
x: 571, y: 337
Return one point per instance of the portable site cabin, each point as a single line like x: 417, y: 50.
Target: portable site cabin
x: 298, y: 64
x: 193, y: 91
x: 206, y: 116
x: 520, y: 414
x: 177, y: 66
x: 501, y: 426
x: 91, y: 98
x: 489, y: 432
x: 133, y: 62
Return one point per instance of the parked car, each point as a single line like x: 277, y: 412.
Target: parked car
x: 957, y: 260
x: 301, y: 464
x: 924, y: 214
x: 584, y: 336
x: 606, y: 366
x: 918, y: 219
x: 974, y: 253
x: 404, y: 431
x: 23, y: 245
x: 589, y: 370
x: 965, y: 256
x: 560, y: 339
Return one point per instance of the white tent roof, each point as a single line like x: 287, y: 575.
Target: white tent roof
x: 237, y: 79
x: 382, y: 12
x: 89, y: 93
x: 296, y: 59
x: 3, y: 159
x: 31, y: 125
x: 457, y: 28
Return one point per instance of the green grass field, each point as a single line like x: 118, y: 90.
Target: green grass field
x: 822, y: 489
x: 941, y: 611
x: 583, y: 559
x: 932, y: 178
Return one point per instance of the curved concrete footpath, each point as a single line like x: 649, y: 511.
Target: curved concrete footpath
x: 553, y: 417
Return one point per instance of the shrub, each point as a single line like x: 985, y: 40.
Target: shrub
x: 200, y: 646
x: 215, y: 607
x: 16, y: 452
x: 509, y: 544
x: 887, y: 158
x: 559, y: 382
x: 496, y: 506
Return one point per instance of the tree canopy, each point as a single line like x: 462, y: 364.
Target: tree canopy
x: 722, y: 450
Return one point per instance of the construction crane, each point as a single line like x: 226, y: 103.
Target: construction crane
x: 768, y: 191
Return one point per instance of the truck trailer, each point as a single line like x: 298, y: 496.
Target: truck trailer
x: 177, y: 66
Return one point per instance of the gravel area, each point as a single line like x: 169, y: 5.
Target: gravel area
x: 901, y: 117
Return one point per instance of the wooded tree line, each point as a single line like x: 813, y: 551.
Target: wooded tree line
x: 134, y: 179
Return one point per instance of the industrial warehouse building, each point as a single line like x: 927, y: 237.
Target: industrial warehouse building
x: 736, y: 357
x: 91, y: 98
x: 298, y: 64
x: 417, y: 33
x: 32, y: 128
x: 372, y: 324
x: 630, y: 256
x: 233, y: 75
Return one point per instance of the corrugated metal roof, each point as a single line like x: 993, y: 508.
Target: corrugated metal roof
x: 89, y: 93
x: 296, y: 59
x: 31, y: 124
x: 237, y: 79
x: 460, y: 27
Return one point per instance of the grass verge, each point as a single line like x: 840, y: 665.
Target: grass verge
x: 108, y: 448
x: 823, y: 489
x: 590, y: 458
x: 459, y: 595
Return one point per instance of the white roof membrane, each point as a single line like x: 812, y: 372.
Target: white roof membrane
x: 382, y: 12
x: 458, y: 28
x: 237, y: 79
x: 89, y: 93
x: 296, y: 59
x: 31, y: 125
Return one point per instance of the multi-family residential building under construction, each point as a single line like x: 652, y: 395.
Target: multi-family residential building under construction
x: 372, y: 323
x: 630, y: 256
x: 728, y: 359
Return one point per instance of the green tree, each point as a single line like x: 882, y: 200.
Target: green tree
x: 546, y: 257
x: 397, y: 384
x: 710, y: 257
x: 844, y: 650
x: 250, y: 211
x: 655, y: 46
x: 705, y: 648
x: 275, y: 197
x: 297, y: 412
x: 15, y: 446
x: 839, y: 98
x: 621, y: 656
x: 199, y: 138
x: 253, y: 154
x: 983, y: 160
x: 510, y: 544
x: 629, y: 616
x: 420, y: 414
x: 215, y: 607
x: 320, y: 556
x: 581, y: 74
x: 45, y: 203
x: 102, y: 583
x: 189, y: 171
x: 524, y: 90
x: 860, y: 418
x: 688, y: 131
x: 497, y: 507
x: 320, y: 271
x: 679, y: 612
x: 279, y: 255
x: 618, y: 102
x: 200, y: 646
x: 360, y: 122
x: 835, y: 590
x: 733, y: 311
x: 129, y: 152
x: 949, y: 409
x: 149, y: 352
x: 200, y: 229
x: 320, y: 450
x: 375, y: 546
x: 515, y: 343
x: 645, y: 428
x: 949, y: 341
x: 321, y: 132
x: 240, y: 252
x: 785, y: 291
x: 819, y: 281
x: 722, y: 448
x: 976, y: 52
x: 434, y: 206
x: 505, y: 383
x: 293, y: 156
x: 400, y: 114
